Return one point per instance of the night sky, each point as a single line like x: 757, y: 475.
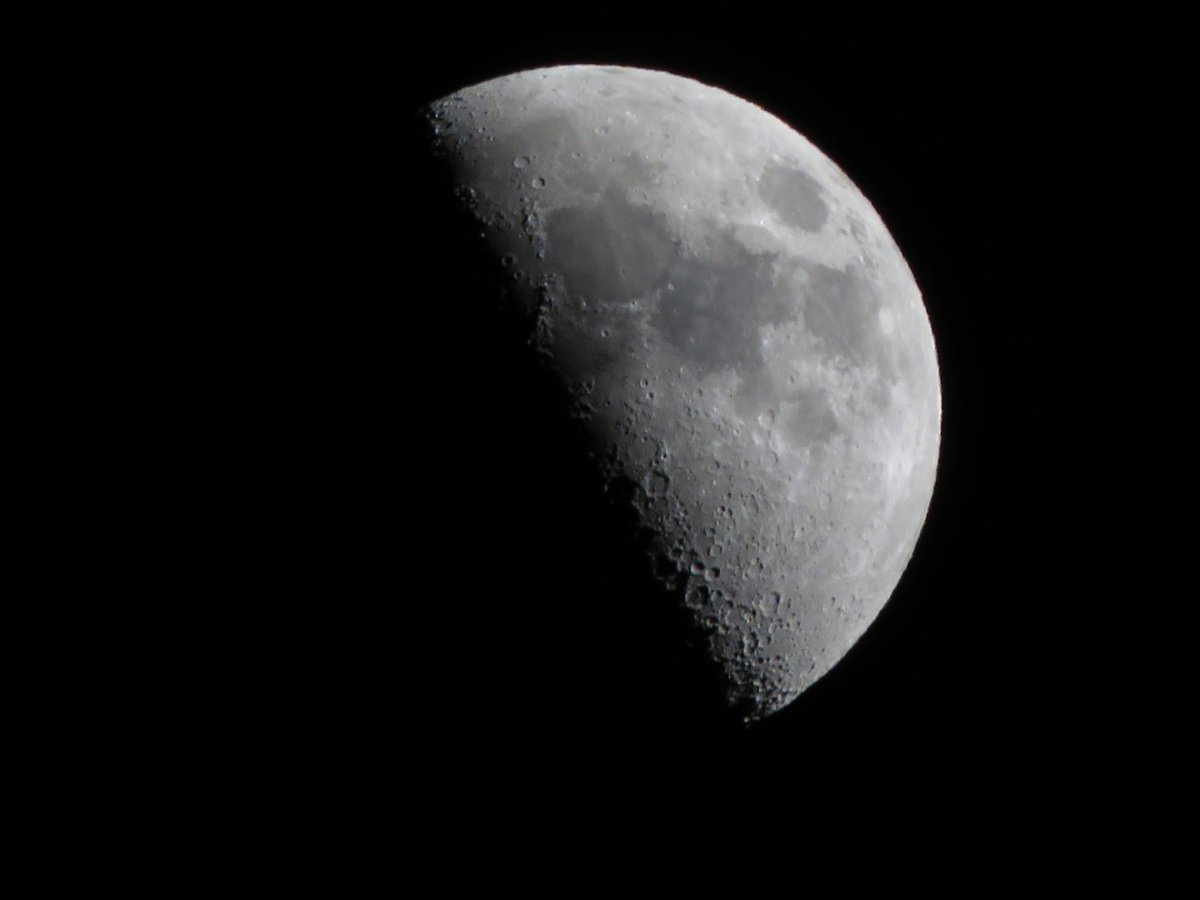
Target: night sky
x: 446, y: 570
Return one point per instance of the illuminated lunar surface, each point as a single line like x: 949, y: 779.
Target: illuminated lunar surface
x: 738, y: 334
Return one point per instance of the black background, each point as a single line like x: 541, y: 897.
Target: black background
x: 430, y: 607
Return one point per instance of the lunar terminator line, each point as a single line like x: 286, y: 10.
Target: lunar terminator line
x: 739, y: 334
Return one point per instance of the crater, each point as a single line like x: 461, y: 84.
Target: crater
x: 551, y: 144
x: 795, y: 196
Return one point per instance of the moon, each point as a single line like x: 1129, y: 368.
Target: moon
x: 737, y: 335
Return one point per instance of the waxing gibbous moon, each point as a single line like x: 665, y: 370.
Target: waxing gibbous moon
x: 738, y: 336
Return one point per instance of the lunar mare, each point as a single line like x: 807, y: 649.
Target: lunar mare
x: 739, y: 335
